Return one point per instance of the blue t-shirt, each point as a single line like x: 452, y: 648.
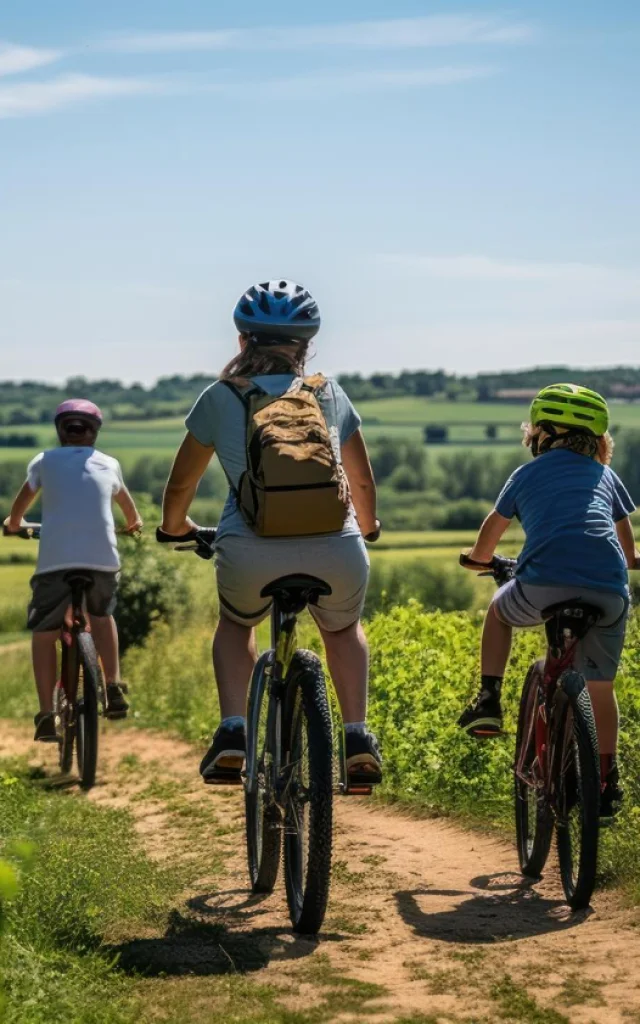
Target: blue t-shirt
x: 218, y: 419
x: 568, y: 506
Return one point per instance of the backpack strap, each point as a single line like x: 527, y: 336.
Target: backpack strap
x: 243, y: 396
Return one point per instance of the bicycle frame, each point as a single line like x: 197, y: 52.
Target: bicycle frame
x: 74, y: 623
x: 556, y: 662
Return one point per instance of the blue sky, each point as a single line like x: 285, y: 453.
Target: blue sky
x: 457, y: 184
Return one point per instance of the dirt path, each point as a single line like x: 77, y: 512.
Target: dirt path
x: 427, y: 922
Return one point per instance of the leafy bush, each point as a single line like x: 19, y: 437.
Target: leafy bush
x: 152, y: 587
x: 396, y: 582
x: 466, y: 514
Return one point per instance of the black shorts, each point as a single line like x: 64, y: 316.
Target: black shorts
x: 51, y: 595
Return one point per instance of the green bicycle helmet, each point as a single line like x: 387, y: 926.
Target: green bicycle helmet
x: 569, y: 405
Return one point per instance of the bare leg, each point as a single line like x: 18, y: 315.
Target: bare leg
x: 496, y: 644
x: 605, y: 710
x: 45, y: 665
x: 234, y: 656
x: 348, y: 660
x: 105, y: 637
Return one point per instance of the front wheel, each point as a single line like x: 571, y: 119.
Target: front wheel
x: 263, y: 816
x: 576, y: 768
x: 308, y: 793
x: 87, y: 711
x: 534, y: 821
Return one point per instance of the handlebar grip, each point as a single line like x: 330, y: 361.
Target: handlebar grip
x: 168, y: 538
x: 470, y: 563
x: 30, y: 532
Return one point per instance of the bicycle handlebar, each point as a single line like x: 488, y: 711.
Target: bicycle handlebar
x: 500, y: 568
x: 200, y: 541
x: 30, y: 531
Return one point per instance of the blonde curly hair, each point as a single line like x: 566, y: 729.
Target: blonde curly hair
x: 598, y: 448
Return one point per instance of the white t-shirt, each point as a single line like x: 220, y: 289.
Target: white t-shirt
x: 78, y: 531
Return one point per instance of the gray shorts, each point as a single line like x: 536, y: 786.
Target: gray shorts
x: 598, y: 654
x: 50, y: 596
x: 245, y: 565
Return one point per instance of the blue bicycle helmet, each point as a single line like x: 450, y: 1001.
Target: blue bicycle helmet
x: 277, y: 312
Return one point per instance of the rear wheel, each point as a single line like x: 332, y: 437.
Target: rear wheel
x: 308, y: 793
x: 263, y: 816
x: 87, y: 711
x: 64, y: 700
x: 576, y: 767
x: 534, y: 821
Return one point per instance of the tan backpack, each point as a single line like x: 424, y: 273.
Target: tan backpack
x: 294, y: 484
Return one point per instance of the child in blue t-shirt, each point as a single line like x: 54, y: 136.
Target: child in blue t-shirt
x: 574, y: 511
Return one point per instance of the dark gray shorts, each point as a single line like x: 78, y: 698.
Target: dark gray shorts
x: 598, y: 654
x: 50, y: 596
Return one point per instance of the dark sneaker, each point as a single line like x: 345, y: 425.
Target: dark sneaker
x: 117, y: 706
x: 223, y: 761
x: 45, y: 724
x: 483, y: 718
x: 611, y: 796
x: 363, y: 758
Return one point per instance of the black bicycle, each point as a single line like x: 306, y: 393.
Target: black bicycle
x: 288, y: 778
x: 79, y: 692
x: 557, y: 762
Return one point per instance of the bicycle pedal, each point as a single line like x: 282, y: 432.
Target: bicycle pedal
x: 224, y: 778
x: 356, y: 789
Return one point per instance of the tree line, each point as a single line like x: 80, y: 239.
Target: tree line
x: 31, y: 402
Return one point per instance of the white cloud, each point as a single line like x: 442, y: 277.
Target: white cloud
x: 401, y: 33
x: 486, y: 268
x: 27, y: 98
x: 14, y: 59
x: 320, y: 85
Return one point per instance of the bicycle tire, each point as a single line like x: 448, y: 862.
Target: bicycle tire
x: 533, y: 816
x: 64, y: 698
x: 87, y: 711
x: 308, y: 802
x: 576, y: 766
x: 262, y: 814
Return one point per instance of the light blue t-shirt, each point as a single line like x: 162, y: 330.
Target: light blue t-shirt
x: 218, y: 419
x: 568, y: 506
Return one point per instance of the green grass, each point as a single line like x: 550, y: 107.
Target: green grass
x: 85, y: 881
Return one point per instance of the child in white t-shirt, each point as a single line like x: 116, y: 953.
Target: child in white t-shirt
x: 78, y: 484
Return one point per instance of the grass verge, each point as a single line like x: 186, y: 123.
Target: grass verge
x: 83, y: 880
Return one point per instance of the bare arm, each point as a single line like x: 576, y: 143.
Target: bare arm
x: 490, y: 534
x: 24, y: 498
x: 624, y: 529
x: 131, y: 515
x: 355, y: 461
x: 189, y: 464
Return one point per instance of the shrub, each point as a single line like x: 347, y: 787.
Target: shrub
x: 396, y: 582
x: 152, y: 587
x: 466, y: 514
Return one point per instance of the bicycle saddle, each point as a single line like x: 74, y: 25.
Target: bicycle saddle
x: 574, y: 615
x: 300, y: 586
x: 76, y: 577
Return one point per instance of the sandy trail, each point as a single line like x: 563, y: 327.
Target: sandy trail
x: 436, y: 915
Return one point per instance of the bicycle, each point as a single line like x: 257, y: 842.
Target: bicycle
x: 288, y: 778
x: 79, y: 691
x: 557, y: 762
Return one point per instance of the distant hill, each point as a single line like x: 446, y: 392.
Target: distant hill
x: 32, y: 402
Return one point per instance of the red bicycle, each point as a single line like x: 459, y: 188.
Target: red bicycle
x: 79, y: 692
x: 557, y: 762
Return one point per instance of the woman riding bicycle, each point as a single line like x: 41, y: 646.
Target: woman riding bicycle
x: 574, y: 511
x: 277, y: 322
